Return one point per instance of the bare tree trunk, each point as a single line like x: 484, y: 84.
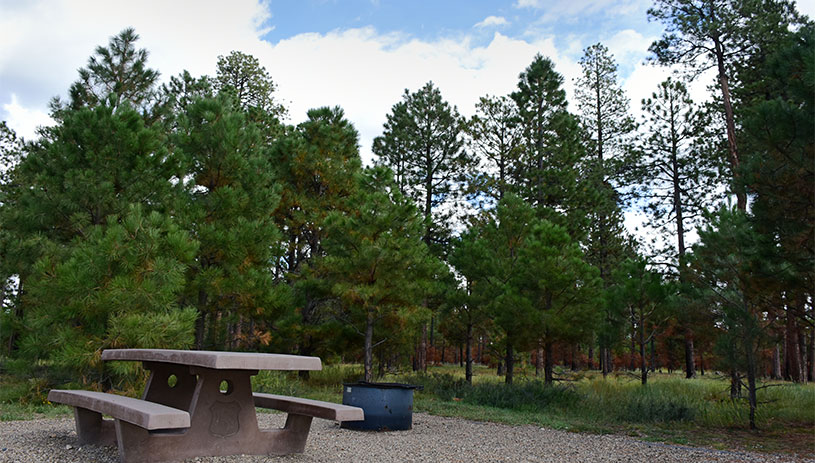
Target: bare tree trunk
x: 468, y: 352
x: 735, y: 384
x: 730, y: 120
x: 812, y: 356
x: 510, y: 361
x: 751, y: 383
x: 200, y: 322
x: 690, y: 367
x: 804, y: 360
x: 591, y: 353
x: 632, y: 365
x: 548, y: 367
x: 793, y: 350
x: 422, y: 354
x: 369, y: 336
x: 776, y: 367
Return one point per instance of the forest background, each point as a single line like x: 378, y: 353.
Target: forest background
x: 187, y: 215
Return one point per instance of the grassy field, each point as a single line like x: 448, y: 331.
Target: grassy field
x: 670, y: 409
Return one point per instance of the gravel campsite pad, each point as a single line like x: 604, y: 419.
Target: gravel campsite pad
x: 433, y: 439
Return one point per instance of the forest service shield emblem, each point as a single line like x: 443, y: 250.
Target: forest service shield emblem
x: 225, y: 418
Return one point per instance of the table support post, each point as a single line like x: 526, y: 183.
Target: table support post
x: 92, y: 429
x: 295, y: 433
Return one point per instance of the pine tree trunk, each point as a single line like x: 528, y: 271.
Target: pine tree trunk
x: 548, y: 367
x: 632, y: 363
x: 643, y: 366
x: 776, y: 368
x: 421, y: 355
x: 804, y: 360
x: 735, y: 384
x: 751, y: 382
x: 200, y: 322
x: 812, y: 356
x: 793, y: 350
x: 468, y: 371
x: 730, y: 121
x: 591, y: 353
x: 369, y: 337
x: 510, y: 363
x: 690, y: 367
x: 605, y: 358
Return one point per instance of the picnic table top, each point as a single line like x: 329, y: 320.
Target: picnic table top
x: 216, y: 359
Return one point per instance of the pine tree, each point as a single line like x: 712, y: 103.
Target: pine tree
x: 548, y: 176
x: 678, y: 170
x: 317, y: 165
x: 778, y: 170
x: 114, y: 75
x: 488, y: 256
x: 496, y: 138
x: 376, y: 260
x: 560, y: 287
x: 228, y: 208
x: 721, y: 34
x: 643, y: 294
x: 117, y: 286
x: 604, y: 114
x: 252, y: 90
x: 423, y: 145
x: 732, y: 266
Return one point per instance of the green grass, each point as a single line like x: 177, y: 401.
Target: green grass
x: 670, y: 409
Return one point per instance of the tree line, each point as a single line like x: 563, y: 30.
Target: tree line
x: 188, y: 215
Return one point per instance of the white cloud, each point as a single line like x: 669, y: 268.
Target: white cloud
x: 24, y: 121
x: 492, y: 21
x: 366, y: 72
x: 806, y: 7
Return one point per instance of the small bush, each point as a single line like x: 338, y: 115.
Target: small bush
x: 335, y: 375
x: 527, y: 396
x: 277, y: 382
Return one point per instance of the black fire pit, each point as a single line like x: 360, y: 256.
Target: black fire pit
x: 387, y: 406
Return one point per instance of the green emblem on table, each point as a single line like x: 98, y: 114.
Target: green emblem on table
x: 225, y: 421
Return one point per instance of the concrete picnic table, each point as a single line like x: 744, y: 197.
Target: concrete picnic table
x: 198, y: 403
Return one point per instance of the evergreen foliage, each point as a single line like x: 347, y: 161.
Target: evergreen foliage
x: 423, y: 145
x: 496, y: 138
x: 376, y: 259
x: 227, y: 206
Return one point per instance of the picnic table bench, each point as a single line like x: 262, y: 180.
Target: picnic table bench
x: 198, y: 403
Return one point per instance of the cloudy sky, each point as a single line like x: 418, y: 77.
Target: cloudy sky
x: 359, y: 54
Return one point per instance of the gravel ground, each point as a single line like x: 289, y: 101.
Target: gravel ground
x: 433, y: 439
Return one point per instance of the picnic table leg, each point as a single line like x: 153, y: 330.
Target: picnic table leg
x: 138, y: 445
x: 158, y: 389
x: 92, y: 429
x: 294, y: 435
